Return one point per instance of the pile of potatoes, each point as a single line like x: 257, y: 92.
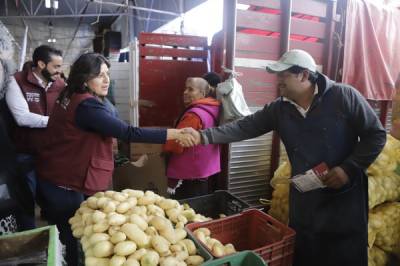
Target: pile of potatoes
x: 133, y: 228
x: 280, y: 196
x: 384, y: 227
x: 214, y: 245
x: 377, y: 257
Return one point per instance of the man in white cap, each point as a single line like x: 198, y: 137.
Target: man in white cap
x: 319, y: 121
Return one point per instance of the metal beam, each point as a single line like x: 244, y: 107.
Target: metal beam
x: 69, y: 6
x: 25, y: 7
x: 38, y: 7
x: 65, y: 16
x: 137, y: 8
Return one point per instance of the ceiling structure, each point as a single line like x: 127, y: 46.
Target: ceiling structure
x: 71, y: 25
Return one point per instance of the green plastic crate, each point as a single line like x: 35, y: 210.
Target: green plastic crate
x: 38, y: 246
x: 243, y: 258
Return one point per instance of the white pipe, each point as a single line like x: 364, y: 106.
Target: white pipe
x: 23, y: 49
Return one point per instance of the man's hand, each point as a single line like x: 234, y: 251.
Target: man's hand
x: 335, y: 178
x: 185, y: 139
x: 194, y: 133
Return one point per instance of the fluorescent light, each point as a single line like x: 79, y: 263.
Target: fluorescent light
x: 55, y: 4
x: 242, y: 6
x: 47, y: 4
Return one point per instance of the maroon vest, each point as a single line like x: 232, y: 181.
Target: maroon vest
x: 39, y: 102
x: 74, y: 158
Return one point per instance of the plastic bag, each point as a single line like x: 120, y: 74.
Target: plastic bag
x: 234, y: 105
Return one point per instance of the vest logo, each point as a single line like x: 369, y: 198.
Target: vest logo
x: 33, y: 97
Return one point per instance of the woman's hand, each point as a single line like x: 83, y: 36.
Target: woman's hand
x: 181, y: 137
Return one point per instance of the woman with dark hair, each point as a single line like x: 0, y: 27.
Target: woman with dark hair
x: 76, y: 159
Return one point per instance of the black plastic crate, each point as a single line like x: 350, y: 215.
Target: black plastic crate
x: 220, y: 202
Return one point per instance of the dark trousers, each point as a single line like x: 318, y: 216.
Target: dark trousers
x: 60, y: 204
x: 26, y: 218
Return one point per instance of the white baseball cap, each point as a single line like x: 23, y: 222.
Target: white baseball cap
x: 291, y: 58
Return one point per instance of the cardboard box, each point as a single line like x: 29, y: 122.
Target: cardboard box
x: 150, y: 176
x: 134, y: 150
x: 138, y: 149
x: 39, y: 246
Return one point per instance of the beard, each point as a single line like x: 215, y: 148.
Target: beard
x: 48, y: 76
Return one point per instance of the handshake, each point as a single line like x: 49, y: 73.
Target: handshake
x: 187, y: 137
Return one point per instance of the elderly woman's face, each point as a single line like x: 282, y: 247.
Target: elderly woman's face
x: 192, y: 93
x: 99, y: 85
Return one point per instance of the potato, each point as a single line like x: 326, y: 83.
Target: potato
x: 74, y: 219
x: 169, y: 234
x: 182, y: 219
x: 125, y: 248
x: 113, y: 229
x: 229, y: 249
x: 118, y: 237
x: 88, y: 230
x: 117, y: 219
x: 109, y: 207
x: 101, y: 202
x: 139, y: 221
x: 176, y: 247
x: 97, y: 237
x: 131, y: 201
x: 78, y: 232
x: 92, y: 202
x: 139, y: 210
x: 160, y: 244
x: 180, y: 234
x: 205, y: 230
x: 200, y: 236
x: 119, y: 196
x: 123, y: 207
x: 103, y: 249
x: 131, y: 262
x: 109, y: 193
x: 180, y: 225
x: 138, y: 254
x: 133, y: 193
x: 167, y: 204
x: 182, y: 255
x: 173, y: 214
x: 77, y: 224
x: 194, y: 260
x: 169, y: 261
x: 84, y: 209
x: 151, y: 231
x: 155, y: 210
x: 151, y: 258
x: 191, y: 247
x: 117, y: 260
x: 146, y: 200
x: 218, y: 250
x: 160, y: 223
x: 189, y: 214
x: 98, y: 216
x: 89, y: 252
x: 87, y: 218
x: 133, y: 232
x: 100, y: 227
x: 92, y: 261
x: 99, y: 194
